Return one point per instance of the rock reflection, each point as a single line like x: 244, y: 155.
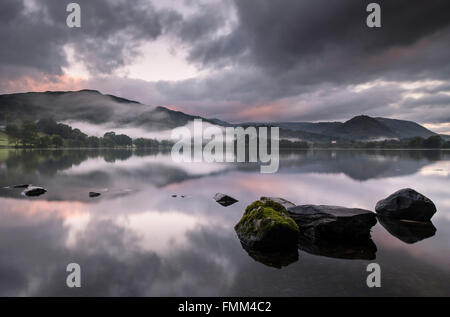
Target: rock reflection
x: 357, y: 250
x: 408, y: 231
x: 276, y: 259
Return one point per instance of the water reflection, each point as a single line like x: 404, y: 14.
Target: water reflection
x: 276, y: 259
x: 364, y: 249
x: 408, y: 231
x: 136, y: 239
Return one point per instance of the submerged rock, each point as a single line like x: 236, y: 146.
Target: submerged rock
x: 339, y: 223
x: 266, y: 225
x: 406, y: 204
x: 364, y: 249
x: 285, y: 203
x: 276, y: 259
x: 408, y: 231
x: 224, y: 200
x: 94, y: 194
x: 34, y: 191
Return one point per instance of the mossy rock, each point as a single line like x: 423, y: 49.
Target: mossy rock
x: 266, y: 225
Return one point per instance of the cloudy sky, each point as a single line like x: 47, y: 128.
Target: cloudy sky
x: 239, y: 60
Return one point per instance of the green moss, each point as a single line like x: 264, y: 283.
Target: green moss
x: 262, y: 216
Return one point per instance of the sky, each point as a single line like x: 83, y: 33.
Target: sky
x: 239, y: 60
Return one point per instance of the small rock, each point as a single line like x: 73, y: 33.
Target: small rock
x: 406, y: 204
x: 224, y: 200
x: 34, y: 191
x: 333, y: 222
x: 174, y: 196
x: 266, y: 225
x: 21, y: 186
x: 94, y: 194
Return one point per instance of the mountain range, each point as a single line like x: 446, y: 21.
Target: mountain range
x: 96, y: 108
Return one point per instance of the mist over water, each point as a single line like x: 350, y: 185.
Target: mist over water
x: 136, y: 239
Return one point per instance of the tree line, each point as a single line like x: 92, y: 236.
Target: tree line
x: 432, y: 142
x: 47, y: 133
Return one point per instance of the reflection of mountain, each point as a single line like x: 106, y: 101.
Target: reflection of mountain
x: 357, y: 164
x: 70, y: 174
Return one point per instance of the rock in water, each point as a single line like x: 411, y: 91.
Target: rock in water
x: 406, y: 230
x: 406, y: 204
x: 333, y: 222
x: 266, y: 225
x: 34, y: 191
x: 21, y: 186
x: 94, y: 194
x: 224, y: 200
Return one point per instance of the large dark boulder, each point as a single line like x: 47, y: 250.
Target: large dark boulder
x: 266, y: 225
x: 224, y: 200
x: 406, y: 204
x: 333, y: 222
x: 406, y: 230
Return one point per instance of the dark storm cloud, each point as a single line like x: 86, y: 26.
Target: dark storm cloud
x: 255, y: 52
x: 290, y: 49
x: 332, y: 35
x: 33, y: 33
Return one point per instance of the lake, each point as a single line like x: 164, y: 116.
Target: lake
x: 136, y: 239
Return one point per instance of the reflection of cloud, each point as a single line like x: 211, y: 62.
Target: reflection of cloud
x: 160, y: 232
x: 43, y: 208
x: 148, y: 243
x: 441, y: 168
x: 98, y: 164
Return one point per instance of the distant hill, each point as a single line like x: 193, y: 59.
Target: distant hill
x: 405, y: 129
x: 97, y: 108
x: 319, y: 127
x: 359, y: 128
x: 367, y: 128
x: 90, y: 106
x: 362, y: 128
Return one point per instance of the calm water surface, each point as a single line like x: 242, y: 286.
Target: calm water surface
x: 138, y: 240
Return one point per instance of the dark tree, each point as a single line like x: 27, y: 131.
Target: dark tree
x: 433, y: 142
x: 57, y: 140
x: 13, y: 133
x: 28, y: 133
